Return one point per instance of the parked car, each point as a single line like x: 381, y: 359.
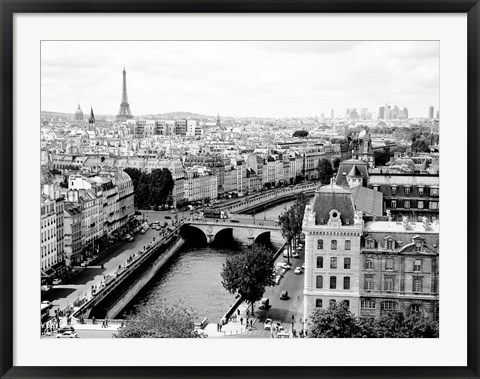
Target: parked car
x: 67, y: 334
x: 143, y: 231
x: 167, y: 217
x: 284, y: 295
x: 295, y: 255
x: 57, y: 281
x: 267, y: 325
x: 67, y: 328
x: 298, y: 270
x: 46, y: 302
x: 131, y: 239
x: 235, y: 221
x: 277, y: 279
x: 303, y: 266
x: 264, y: 303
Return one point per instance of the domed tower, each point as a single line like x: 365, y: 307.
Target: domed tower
x: 79, y: 114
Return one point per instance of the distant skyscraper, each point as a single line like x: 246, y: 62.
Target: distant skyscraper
x: 430, y: 111
x: 388, y: 112
x: 364, y: 113
x: 381, y: 113
x: 124, y: 112
x: 405, y: 112
x: 438, y: 114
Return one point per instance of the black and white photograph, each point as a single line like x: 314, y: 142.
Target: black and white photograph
x: 239, y: 189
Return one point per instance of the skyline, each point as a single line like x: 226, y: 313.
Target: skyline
x: 241, y: 79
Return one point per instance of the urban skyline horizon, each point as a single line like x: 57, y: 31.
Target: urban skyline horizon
x: 268, y: 79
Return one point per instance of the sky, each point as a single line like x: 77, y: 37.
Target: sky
x: 240, y: 78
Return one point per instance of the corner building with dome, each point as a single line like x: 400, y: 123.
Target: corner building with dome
x: 371, y: 263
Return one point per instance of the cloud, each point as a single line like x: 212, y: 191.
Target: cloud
x: 264, y: 78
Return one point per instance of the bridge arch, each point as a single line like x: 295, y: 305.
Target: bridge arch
x: 192, y: 232
x: 263, y: 237
x: 222, y: 235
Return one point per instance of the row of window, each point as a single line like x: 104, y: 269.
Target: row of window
x: 333, y: 282
x: 387, y: 305
x: 347, y: 262
x: 319, y: 303
x: 389, y: 284
x: 334, y: 244
x: 408, y: 204
x: 407, y: 190
x: 417, y: 264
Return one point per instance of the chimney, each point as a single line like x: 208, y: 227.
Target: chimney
x: 405, y: 223
x: 389, y: 215
x: 425, y: 223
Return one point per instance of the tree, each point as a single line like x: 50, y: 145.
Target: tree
x: 420, y: 146
x: 325, y: 171
x: 160, y: 320
x: 398, y: 325
x: 300, y: 133
x: 336, y: 164
x: 381, y: 158
x: 135, y: 174
x: 335, y: 322
x: 248, y: 273
x: 161, y: 185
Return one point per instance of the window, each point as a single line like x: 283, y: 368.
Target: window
x: 320, y: 245
x: 420, y: 204
x: 388, y: 283
x: 318, y: 303
x: 370, y: 244
x: 333, y: 302
x: 369, y: 264
x: 415, y: 308
x: 433, y: 205
x: 417, y: 284
x: 389, y: 305
x: 389, y: 264
x: 347, y: 303
x: 346, y: 283
x: 394, y: 190
x: 406, y: 204
x: 420, y: 191
x: 368, y: 283
x: 347, y: 263
x: 390, y: 244
x: 348, y: 245
x: 333, y: 262
x: 319, y: 262
x: 368, y: 304
x: 433, y: 191
x: 407, y: 190
x: 333, y: 282
x: 319, y: 281
x: 417, y: 265
x: 334, y: 244
x: 393, y: 204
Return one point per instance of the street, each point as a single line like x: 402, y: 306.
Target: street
x: 80, y: 286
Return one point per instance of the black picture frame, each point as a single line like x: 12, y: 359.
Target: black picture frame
x: 10, y: 8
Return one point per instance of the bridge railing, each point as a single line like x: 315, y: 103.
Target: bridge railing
x: 272, y: 195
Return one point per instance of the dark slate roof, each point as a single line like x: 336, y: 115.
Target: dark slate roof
x: 368, y: 201
x: 333, y: 197
x: 346, y: 167
x: 354, y: 172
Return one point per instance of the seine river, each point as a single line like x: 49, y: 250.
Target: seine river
x: 193, y: 277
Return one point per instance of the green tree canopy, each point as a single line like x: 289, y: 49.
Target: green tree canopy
x: 248, y: 273
x: 160, y: 320
x: 420, y: 146
x: 338, y: 322
x: 325, y: 171
x: 381, y: 157
x: 300, y: 133
x: 336, y: 164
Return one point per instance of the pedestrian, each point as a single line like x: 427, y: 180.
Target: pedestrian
x: 248, y: 313
x: 251, y: 323
x: 218, y: 326
x: 238, y: 312
x: 93, y: 320
x: 106, y: 322
x: 241, y: 320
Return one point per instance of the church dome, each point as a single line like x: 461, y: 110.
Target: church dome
x: 78, y: 114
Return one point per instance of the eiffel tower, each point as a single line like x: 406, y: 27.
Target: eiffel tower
x: 124, y: 112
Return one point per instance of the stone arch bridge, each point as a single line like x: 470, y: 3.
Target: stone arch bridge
x: 245, y: 230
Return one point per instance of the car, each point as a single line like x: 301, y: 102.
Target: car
x: 284, y: 295
x: 167, y: 217
x: 64, y: 329
x: 46, y: 302
x: 264, y: 303
x: 277, y: 279
x: 173, y: 211
x: 283, y: 334
x: 56, y: 282
x: 143, y: 231
x: 267, y: 325
x: 45, y: 288
x: 295, y: 255
x: 303, y: 266
x: 131, y: 239
x: 235, y: 221
x: 158, y: 228
x: 67, y: 334
x: 298, y: 270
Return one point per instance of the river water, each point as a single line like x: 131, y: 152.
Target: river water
x: 193, y: 277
